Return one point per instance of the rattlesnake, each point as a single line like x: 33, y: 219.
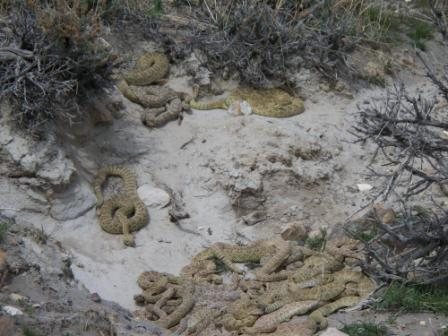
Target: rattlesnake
x: 124, y: 213
x: 150, y: 67
x: 162, y: 104
x: 278, y: 292
x: 265, y: 102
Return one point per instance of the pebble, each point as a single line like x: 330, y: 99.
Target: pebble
x: 153, y: 197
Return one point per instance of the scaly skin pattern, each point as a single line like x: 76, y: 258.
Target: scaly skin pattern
x: 161, y: 103
x: 268, y: 323
x: 150, y: 67
x: 167, y: 297
x: 241, y: 313
x: 258, y: 304
x: 320, y: 263
x: 154, y: 96
x: 128, y: 177
x: 265, y: 102
x: 122, y: 214
x: 160, y: 117
x: 319, y: 316
x: 230, y: 254
x: 186, y: 292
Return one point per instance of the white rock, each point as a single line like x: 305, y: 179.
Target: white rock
x: 333, y: 332
x: 73, y: 202
x: 13, y: 311
x: 153, y: 197
x: 364, y: 186
x: 245, y: 108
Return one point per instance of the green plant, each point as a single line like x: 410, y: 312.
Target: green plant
x: 421, y: 31
x: 415, y: 298
x: 40, y: 236
x: 364, y: 329
x: 30, y: 332
x: 157, y: 7
x: 317, y: 242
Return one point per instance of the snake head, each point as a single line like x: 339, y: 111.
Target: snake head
x: 128, y: 240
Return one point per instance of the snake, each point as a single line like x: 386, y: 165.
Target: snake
x: 123, y: 213
x: 263, y: 303
x: 150, y: 68
x: 273, y: 102
x: 162, y: 104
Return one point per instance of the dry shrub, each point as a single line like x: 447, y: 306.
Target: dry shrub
x: 51, y: 57
x: 266, y: 41
x: 411, y: 137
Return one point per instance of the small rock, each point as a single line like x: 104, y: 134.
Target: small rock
x: 95, y: 297
x: 295, y: 231
x: 17, y: 297
x: 245, y: 108
x: 13, y: 311
x: 364, y: 186
x: 254, y: 217
x: 333, y: 332
x: 153, y: 197
x: 422, y: 323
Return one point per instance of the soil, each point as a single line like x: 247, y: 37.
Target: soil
x: 224, y: 169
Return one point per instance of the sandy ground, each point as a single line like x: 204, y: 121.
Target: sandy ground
x: 224, y: 166
x: 202, y: 158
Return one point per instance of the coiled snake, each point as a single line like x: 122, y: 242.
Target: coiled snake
x: 123, y: 213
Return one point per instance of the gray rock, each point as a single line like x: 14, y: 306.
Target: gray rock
x: 153, y: 197
x: 59, y: 171
x: 74, y: 202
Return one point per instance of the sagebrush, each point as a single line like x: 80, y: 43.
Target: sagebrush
x: 51, y: 56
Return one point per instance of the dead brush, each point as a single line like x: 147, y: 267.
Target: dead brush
x: 266, y: 41
x: 410, y: 133
x: 50, y: 58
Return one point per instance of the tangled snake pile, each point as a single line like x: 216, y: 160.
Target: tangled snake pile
x: 265, y: 102
x: 123, y: 213
x: 288, y: 280
x: 162, y: 104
